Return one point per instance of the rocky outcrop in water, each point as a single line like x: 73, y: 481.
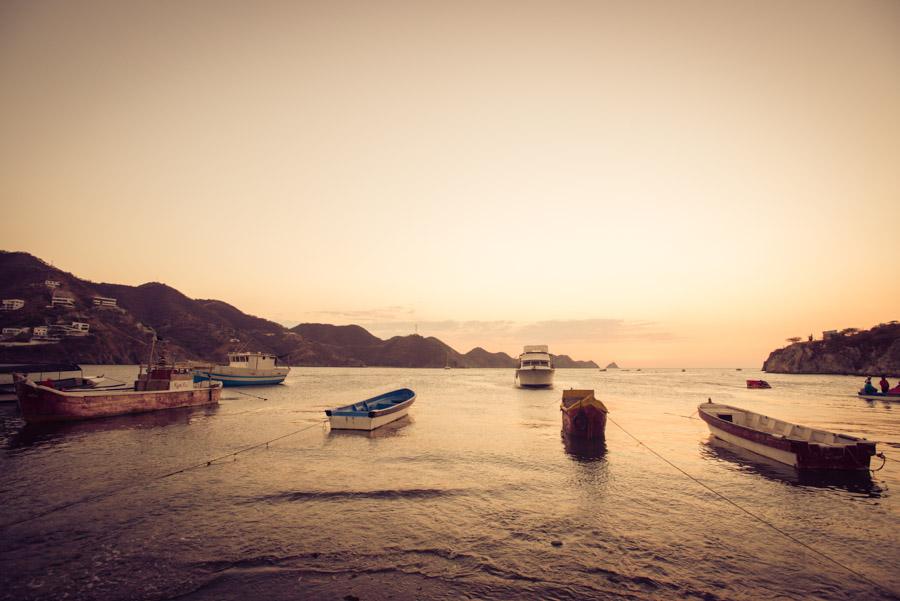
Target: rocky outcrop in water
x: 870, y: 352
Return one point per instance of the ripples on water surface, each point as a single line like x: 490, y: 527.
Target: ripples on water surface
x: 474, y: 495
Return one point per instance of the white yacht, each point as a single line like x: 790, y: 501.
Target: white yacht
x: 244, y: 369
x: 535, y: 367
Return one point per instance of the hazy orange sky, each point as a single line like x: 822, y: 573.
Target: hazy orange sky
x: 656, y: 183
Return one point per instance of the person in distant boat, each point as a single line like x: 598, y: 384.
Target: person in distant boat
x: 885, y: 385
x: 868, y: 388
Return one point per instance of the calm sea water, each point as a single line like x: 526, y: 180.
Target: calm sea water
x: 475, y: 495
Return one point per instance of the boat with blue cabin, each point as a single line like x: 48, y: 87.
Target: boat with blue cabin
x: 372, y: 413
x: 244, y: 369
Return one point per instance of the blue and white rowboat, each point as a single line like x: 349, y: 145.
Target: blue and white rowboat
x: 372, y: 413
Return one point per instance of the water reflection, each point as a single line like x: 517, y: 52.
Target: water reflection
x: 30, y: 435
x: 385, y: 431
x: 584, y: 450
x: 856, y: 482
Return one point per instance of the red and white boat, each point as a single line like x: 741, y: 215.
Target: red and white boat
x: 583, y: 416
x: 159, y: 387
x: 798, y: 446
x: 757, y: 384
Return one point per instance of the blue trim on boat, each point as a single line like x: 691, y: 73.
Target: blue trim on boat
x: 382, y: 404
x: 238, y: 380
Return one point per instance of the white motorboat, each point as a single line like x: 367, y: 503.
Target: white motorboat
x: 244, y: 369
x: 535, y: 367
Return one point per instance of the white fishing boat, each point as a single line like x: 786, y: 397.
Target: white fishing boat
x: 535, y: 367
x: 799, y: 446
x: 244, y: 369
x: 372, y: 413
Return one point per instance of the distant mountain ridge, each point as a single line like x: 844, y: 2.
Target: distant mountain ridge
x: 870, y: 352
x: 196, y: 329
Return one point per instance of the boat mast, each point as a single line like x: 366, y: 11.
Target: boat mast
x: 150, y: 358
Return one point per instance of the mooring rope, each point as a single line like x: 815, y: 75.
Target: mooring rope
x: 182, y: 470
x: 759, y: 518
x: 262, y: 398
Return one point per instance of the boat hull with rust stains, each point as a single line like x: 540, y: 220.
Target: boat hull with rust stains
x: 799, y: 446
x: 39, y: 403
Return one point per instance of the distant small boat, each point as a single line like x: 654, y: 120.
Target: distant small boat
x: 738, y: 369
x: 372, y: 413
x: 757, y: 384
x: 244, y: 369
x: 879, y: 396
x: 583, y: 415
x: 535, y: 367
x: 798, y: 446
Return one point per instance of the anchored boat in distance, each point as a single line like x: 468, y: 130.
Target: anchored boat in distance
x: 244, y: 369
x: 535, y: 367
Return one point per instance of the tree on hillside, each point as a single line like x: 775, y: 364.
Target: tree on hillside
x: 794, y: 339
x: 850, y: 331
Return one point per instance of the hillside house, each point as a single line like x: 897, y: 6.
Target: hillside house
x: 40, y: 331
x: 102, y: 301
x: 62, y: 301
x: 12, y: 332
x: 78, y: 328
x: 828, y: 334
x: 51, y: 284
x: 11, y: 304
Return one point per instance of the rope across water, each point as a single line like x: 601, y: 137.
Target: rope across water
x: 182, y: 470
x: 760, y: 519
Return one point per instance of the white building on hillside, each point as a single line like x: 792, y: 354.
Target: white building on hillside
x: 62, y: 301
x: 12, y: 304
x: 40, y: 331
x: 102, y: 301
x: 11, y: 332
x: 51, y: 284
x: 79, y: 328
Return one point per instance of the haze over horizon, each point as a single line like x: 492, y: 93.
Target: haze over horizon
x: 656, y: 184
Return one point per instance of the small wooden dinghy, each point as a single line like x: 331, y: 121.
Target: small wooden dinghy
x: 583, y: 416
x: 757, y: 384
x: 798, y: 446
x: 372, y: 413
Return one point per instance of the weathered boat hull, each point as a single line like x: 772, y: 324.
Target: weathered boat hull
x: 230, y: 380
x: 585, y: 423
x: 757, y: 384
x: 801, y: 454
x: 583, y: 415
x: 879, y: 397
x: 534, y: 378
x: 42, y: 404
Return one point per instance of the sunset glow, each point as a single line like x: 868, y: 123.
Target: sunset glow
x: 657, y: 184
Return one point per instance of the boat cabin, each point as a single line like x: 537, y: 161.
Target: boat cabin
x: 165, y: 377
x: 252, y: 360
x: 535, y: 355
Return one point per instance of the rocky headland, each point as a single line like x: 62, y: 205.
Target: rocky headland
x: 861, y: 353
x: 193, y: 329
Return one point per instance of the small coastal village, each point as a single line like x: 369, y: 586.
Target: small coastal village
x: 404, y: 301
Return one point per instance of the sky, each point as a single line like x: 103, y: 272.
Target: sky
x: 653, y: 183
